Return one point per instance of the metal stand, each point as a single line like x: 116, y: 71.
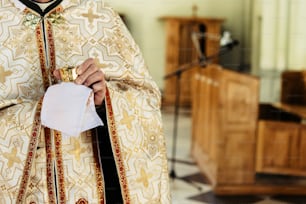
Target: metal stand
x: 173, y: 174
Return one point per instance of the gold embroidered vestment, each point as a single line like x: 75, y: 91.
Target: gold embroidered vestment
x: 37, y: 164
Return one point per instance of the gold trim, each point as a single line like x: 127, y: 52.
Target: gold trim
x: 52, y: 58
x: 60, y: 166
x: 98, y: 168
x: 50, y: 167
x: 31, y: 154
x: 117, y: 149
x: 82, y: 201
x: 42, y: 54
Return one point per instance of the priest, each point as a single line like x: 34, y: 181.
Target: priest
x: 123, y: 161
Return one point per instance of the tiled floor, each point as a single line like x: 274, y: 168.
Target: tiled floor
x: 185, y: 187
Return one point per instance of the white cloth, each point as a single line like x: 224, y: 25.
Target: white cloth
x: 69, y: 108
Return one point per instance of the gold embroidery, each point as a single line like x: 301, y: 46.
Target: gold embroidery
x: 12, y: 158
x: 117, y: 149
x: 60, y: 166
x: 31, y: 20
x: 144, y: 178
x: 84, y: 44
x: 77, y: 150
x: 127, y: 119
x: 42, y: 56
x: 4, y: 74
x: 100, y: 65
x: 31, y: 154
x: 69, y: 41
x: 90, y: 15
x: 99, y: 176
x: 24, y: 44
x: 52, y: 60
x: 82, y: 201
x: 56, y: 18
x: 50, y: 167
x: 120, y: 44
x: 130, y: 97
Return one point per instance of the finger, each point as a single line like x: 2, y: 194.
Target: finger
x: 88, y: 72
x: 96, y: 77
x: 57, y: 74
x: 84, y: 66
x: 99, y: 95
x: 99, y: 86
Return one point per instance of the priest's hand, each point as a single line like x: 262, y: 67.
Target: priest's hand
x: 91, y: 76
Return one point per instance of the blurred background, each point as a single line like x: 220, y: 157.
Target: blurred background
x: 240, y: 122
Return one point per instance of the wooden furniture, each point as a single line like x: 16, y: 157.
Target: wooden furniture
x: 281, y: 148
x: 293, y: 88
x: 244, y: 147
x: 180, y: 50
x: 283, y: 138
x: 225, y: 115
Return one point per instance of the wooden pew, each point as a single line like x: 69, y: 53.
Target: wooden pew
x: 236, y: 145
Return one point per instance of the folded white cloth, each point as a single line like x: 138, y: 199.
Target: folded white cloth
x: 69, y: 108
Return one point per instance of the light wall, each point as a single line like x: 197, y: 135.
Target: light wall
x: 282, y: 35
x: 149, y: 32
x: 279, y: 42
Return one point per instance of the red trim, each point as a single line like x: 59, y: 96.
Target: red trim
x: 60, y: 166
x: 50, y: 167
x: 42, y: 56
x: 31, y: 154
x: 99, y: 176
x: 52, y: 58
x: 82, y: 201
x: 116, y: 146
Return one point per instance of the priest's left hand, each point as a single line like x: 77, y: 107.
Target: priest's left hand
x: 91, y: 76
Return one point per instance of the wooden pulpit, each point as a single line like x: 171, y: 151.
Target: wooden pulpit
x: 225, y: 107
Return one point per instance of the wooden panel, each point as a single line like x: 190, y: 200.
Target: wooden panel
x: 205, y: 114
x: 186, y: 50
x: 205, y: 163
x: 227, y: 141
x: 206, y: 100
x: 204, y: 123
x: 238, y: 116
x: 236, y: 154
x: 203, y: 129
x: 173, y: 39
x: 187, y: 54
x: 215, y: 112
x: 212, y: 44
x: 195, y: 104
x: 268, y: 189
x: 278, y: 148
x: 293, y: 88
x: 232, y: 148
x: 185, y: 99
x: 302, y: 148
x: 181, y: 51
x: 239, y: 101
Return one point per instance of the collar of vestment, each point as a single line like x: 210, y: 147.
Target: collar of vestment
x: 65, y: 4
x: 44, y: 5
